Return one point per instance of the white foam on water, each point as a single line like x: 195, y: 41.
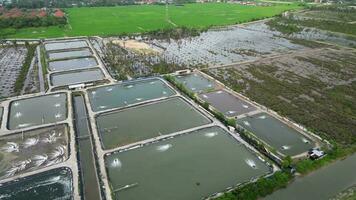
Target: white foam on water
x: 262, y: 117
x: 30, y: 142
x: 164, y: 92
x: 139, y: 99
x: 10, y: 147
x: 231, y: 112
x: 218, y: 92
x: 152, y: 82
x: 285, y: 147
x: 210, y: 134
x: 18, y: 114
x: 39, y: 159
x: 102, y: 107
x: 16, y: 104
x: 251, y: 163
x: 210, y: 85
x: 58, y: 152
x: 193, y: 88
x: 57, y: 95
x: 23, y: 125
x: 50, y: 139
x: 164, y: 147
x: 247, y: 123
x: 58, y: 115
x: 57, y: 105
x: 206, y: 97
x: 109, y: 89
x: 245, y: 106
x: 129, y: 86
x: 93, y: 92
x: 116, y: 163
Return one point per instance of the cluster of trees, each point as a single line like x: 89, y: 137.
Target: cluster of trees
x: 23, y: 21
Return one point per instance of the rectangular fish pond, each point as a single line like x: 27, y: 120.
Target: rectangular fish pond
x: 227, y: 103
x: 277, y: 134
x: 76, y: 77
x: 147, y: 121
x: 31, y: 150
x: 53, y: 184
x: 72, y: 64
x: 196, y: 82
x: 37, y: 111
x: 65, y: 45
x: 85, y: 52
x: 190, y: 166
x: 121, y: 95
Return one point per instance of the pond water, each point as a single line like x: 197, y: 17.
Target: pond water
x: 189, y: 167
x: 53, y: 184
x: 89, y: 180
x: 38, y: 110
x: 72, y: 64
x: 65, y: 45
x: 196, y: 82
x: 70, y: 78
x: 69, y: 54
x: 147, y: 121
x: 1, y: 112
x: 227, y: 103
x: 31, y: 150
x: 120, y: 95
x: 277, y: 134
x: 322, y: 184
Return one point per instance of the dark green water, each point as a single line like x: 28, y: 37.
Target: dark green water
x: 65, y: 45
x: 323, y: 184
x: 196, y: 82
x: 70, y: 78
x: 277, y: 134
x: 38, y: 110
x: 49, y: 185
x: 77, y: 63
x: 121, y: 95
x: 188, y: 167
x: 69, y: 54
x: 90, y: 185
x: 148, y: 121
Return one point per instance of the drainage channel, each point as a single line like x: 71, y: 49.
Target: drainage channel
x: 89, y: 179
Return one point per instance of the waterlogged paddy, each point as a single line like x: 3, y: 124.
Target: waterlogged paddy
x: 196, y: 83
x: 37, y: 111
x: 65, y: 45
x: 147, y: 121
x: 189, y: 167
x: 69, y: 54
x: 277, y: 134
x: 31, y: 150
x: 72, y: 64
x: 53, y: 184
x: 227, y: 103
x: 70, y: 78
x: 322, y: 184
x: 121, y: 95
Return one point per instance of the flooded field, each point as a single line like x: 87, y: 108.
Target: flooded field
x: 72, y: 64
x: 120, y: 95
x: 70, y: 78
x: 147, y: 121
x: 53, y: 184
x: 227, y: 103
x: 65, y: 45
x: 196, y: 82
x: 27, y: 151
x: 69, y: 54
x: 323, y: 184
x: 38, y: 110
x: 89, y: 180
x: 277, y: 134
x: 195, y: 163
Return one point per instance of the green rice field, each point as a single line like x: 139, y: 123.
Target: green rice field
x: 105, y: 21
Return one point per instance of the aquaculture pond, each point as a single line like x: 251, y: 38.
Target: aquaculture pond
x: 324, y: 183
x: 53, y: 184
x: 70, y: 78
x: 89, y: 179
x: 1, y: 112
x: 199, y: 164
x: 72, y: 64
x: 120, y: 95
x: 30, y: 150
x: 196, y: 82
x: 276, y: 133
x: 69, y: 54
x: 65, y: 45
x: 227, y: 103
x: 147, y: 121
x: 38, y: 110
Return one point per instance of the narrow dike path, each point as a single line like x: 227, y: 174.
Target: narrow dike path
x: 88, y: 174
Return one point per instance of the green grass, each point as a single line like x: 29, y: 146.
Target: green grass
x: 105, y: 21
